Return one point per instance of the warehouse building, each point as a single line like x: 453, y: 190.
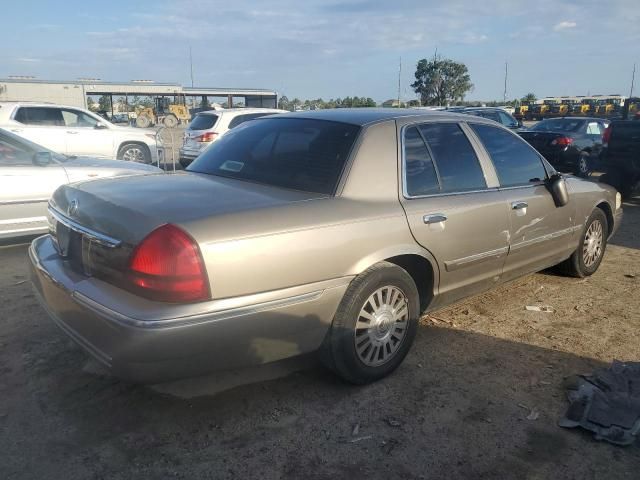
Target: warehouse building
x: 84, y: 91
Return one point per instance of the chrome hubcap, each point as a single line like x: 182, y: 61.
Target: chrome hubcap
x: 582, y: 165
x: 381, y: 326
x: 592, y: 248
x: 133, y: 155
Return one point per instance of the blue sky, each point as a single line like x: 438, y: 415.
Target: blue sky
x: 313, y: 48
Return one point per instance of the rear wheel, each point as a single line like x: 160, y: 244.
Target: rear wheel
x: 134, y: 152
x: 170, y: 121
x: 584, y: 166
x: 374, y: 326
x: 588, y: 256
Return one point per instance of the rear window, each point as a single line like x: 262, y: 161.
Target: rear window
x: 203, y: 122
x: 40, y: 116
x: 299, y: 154
x: 558, y: 125
x: 245, y: 118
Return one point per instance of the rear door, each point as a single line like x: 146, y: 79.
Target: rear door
x: 42, y: 125
x: 453, y: 206
x: 540, y: 234
x: 25, y: 188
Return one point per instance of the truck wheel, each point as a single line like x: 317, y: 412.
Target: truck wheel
x: 143, y: 121
x: 170, y: 121
x: 134, y: 152
x: 374, y: 326
x: 593, y: 242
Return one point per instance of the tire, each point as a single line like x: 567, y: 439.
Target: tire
x: 361, y: 354
x: 585, y: 260
x: 142, y: 121
x: 170, y: 121
x: 583, y: 168
x: 134, y: 152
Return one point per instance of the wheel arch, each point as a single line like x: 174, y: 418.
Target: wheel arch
x: 608, y: 212
x: 417, y: 262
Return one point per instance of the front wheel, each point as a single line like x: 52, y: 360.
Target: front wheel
x: 170, y: 121
x: 374, y: 326
x: 588, y: 256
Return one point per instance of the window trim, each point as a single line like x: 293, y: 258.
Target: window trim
x: 472, y: 142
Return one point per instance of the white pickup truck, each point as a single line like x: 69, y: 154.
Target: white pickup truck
x: 75, y: 131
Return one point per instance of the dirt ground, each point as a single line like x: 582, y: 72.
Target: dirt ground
x: 456, y: 408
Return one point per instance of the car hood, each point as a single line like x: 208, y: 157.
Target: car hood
x: 129, y: 208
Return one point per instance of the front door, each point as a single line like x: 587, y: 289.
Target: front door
x: 25, y: 188
x: 540, y: 234
x: 84, y: 137
x: 453, y: 209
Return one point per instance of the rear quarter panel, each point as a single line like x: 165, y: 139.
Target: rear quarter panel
x: 587, y: 195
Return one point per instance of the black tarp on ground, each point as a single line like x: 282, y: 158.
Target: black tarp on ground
x: 607, y: 403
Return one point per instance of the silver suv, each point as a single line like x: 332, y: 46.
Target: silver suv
x: 209, y: 125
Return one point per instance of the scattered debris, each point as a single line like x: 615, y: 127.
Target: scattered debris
x: 359, y: 439
x: 388, y: 447
x: 533, y: 414
x: 20, y: 282
x: 629, y: 275
x: 356, y: 430
x: 540, y: 308
x: 393, y: 422
x: 606, y: 403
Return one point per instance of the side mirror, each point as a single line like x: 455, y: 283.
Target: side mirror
x: 42, y: 159
x: 100, y: 126
x: 558, y: 188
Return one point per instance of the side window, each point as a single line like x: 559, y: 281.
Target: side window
x: 13, y: 154
x: 593, y: 128
x: 40, y: 116
x: 78, y: 119
x: 454, y: 157
x: 491, y: 115
x: 515, y: 161
x: 420, y: 173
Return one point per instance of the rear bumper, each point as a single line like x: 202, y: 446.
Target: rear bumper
x: 144, y: 341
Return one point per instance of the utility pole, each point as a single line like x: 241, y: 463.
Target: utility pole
x: 399, y: 75
x: 191, y: 65
x: 506, y: 73
x: 633, y: 78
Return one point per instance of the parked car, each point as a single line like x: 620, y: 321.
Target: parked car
x: 570, y: 144
x: 30, y: 173
x: 75, y: 131
x: 620, y: 156
x: 208, y: 126
x: 493, y: 113
x: 308, y: 231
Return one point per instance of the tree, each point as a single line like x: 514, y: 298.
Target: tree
x: 91, y: 105
x: 441, y: 81
x: 284, y: 103
x: 104, y: 103
x: 529, y: 98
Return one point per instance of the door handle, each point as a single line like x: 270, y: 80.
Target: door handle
x: 519, y: 205
x: 434, y: 218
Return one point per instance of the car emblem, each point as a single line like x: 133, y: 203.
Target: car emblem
x: 72, y: 210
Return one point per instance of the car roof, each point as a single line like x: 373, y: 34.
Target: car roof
x: 594, y: 119
x: 367, y: 116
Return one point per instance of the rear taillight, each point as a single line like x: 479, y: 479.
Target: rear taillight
x: 562, y: 141
x: 206, y: 137
x: 606, y: 136
x: 167, y: 266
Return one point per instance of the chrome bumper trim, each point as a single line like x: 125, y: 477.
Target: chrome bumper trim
x: 101, y: 238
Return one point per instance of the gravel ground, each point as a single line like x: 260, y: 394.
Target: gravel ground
x: 478, y: 396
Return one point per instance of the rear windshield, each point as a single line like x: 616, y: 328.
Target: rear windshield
x: 294, y: 153
x: 203, y: 122
x: 558, y: 125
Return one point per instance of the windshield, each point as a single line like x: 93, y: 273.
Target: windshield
x: 17, y: 149
x: 558, y: 125
x: 294, y: 153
